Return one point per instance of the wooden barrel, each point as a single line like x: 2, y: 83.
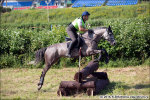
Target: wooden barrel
x: 101, y: 84
x: 100, y: 75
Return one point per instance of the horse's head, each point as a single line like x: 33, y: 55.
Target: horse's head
x: 108, y: 35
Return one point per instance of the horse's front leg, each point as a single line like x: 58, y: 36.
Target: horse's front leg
x: 100, y: 52
x: 93, y: 52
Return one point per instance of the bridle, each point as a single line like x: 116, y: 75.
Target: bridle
x: 109, y: 39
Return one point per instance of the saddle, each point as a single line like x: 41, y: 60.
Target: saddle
x: 79, y: 42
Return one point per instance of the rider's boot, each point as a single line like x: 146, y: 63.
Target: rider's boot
x: 69, y: 50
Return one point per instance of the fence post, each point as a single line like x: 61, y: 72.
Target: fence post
x: 92, y: 57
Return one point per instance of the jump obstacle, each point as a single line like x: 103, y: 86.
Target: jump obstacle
x: 87, y: 80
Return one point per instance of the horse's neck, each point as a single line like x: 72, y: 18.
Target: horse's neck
x: 85, y: 35
x: 96, y: 36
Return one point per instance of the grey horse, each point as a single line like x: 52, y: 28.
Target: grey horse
x: 89, y: 47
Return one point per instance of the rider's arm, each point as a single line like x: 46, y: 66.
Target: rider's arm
x: 82, y: 29
x: 80, y: 26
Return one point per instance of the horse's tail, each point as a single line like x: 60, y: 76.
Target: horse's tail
x: 39, y: 55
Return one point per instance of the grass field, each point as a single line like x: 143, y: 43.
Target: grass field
x: 65, y: 16
x: 22, y: 83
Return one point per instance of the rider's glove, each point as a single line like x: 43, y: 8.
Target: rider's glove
x: 90, y: 31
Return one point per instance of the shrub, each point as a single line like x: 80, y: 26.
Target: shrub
x: 132, y: 36
x: 8, y: 61
x: 3, y: 10
x: 20, y: 38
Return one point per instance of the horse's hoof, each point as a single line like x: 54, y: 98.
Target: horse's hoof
x: 39, y: 84
x: 39, y: 87
x: 68, y: 55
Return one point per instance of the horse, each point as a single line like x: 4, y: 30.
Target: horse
x: 89, y: 47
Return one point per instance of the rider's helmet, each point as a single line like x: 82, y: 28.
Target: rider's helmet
x: 85, y: 13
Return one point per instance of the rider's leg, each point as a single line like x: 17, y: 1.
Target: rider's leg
x: 71, y: 46
x: 73, y: 35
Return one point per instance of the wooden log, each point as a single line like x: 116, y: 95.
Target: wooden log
x: 88, y: 84
x: 66, y: 91
x: 89, y: 69
x: 100, y: 75
x: 67, y: 88
x: 78, y: 77
x: 91, y: 78
x: 77, y: 85
x: 70, y: 84
x: 73, y: 87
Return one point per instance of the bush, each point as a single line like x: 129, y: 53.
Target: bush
x: 147, y: 62
x: 3, y: 10
x: 132, y: 36
x: 8, y: 61
x: 21, y: 35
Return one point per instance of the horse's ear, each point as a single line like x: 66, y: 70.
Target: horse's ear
x: 109, y: 27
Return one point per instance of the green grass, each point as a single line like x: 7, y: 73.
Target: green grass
x: 22, y: 83
x: 66, y: 15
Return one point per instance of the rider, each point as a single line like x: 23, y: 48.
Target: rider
x: 78, y: 25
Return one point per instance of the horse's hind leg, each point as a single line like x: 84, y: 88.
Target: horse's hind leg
x: 42, y: 76
x: 47, y: 67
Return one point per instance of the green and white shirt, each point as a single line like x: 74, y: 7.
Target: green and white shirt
x: 79, y: 22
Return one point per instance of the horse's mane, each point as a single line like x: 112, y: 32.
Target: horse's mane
x: 99, y: 28
x: 96, y: 28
